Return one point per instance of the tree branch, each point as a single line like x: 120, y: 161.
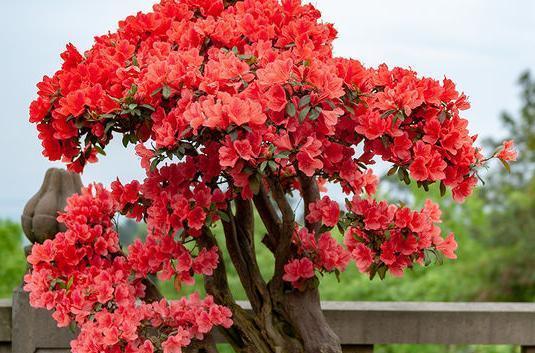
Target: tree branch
x: 239, y: 236
x: 245, y: 335
x: 205, y: 346
x: 311, y: 194
x: 284, y: 244
x: 269, y: 217
x: 217, y: 284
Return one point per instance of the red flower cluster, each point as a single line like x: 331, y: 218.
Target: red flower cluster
x: 383, y: 236
x: 507, y: 152
x: 222, y: 101
x: 268, y: 94
x: 325, y: 211
x: 323, y: 254
x: 86, y: 279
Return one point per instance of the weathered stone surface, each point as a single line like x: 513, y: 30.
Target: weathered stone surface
x: 34, y: 329
x: 5, y: 320
x: 359, y: 325
x: 39, y: 216
x: 368, y: 323
x: 439, y: 323
x: 5, y: 325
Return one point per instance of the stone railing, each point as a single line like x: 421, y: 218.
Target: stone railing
x: 359, y: 325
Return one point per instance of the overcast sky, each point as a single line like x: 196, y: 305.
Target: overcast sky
x: 482, y: 45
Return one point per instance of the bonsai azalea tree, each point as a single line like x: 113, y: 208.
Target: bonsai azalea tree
x: 234, y: 106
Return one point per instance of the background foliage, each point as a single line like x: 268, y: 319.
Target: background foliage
x: 495, y: 229
x: 13, y: 263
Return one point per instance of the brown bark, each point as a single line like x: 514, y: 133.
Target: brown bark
x: 310, y: 193
x: 228, y: 3
x: 245, y: 336
x: 283, y: 319
x: 306, y: 317
x: 270, y: 218
x: 205, y: 346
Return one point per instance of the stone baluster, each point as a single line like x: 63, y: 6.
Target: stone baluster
x: 33, y: 330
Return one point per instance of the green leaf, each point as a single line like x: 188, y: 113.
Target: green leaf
x: 442, y: 189
x: 166, y: 92
x: 283, y: 154
x: 133, y: 90
x: 393, y: 170
x: 405, y: 175
x: 155, y: 92
x: 303, y: 114
x: 348, y: 203
x: 126, y: 140
x: 324, y: 229
x: 381, y: 271
x: 149, y: 107
x: 263, y: 166
x: 401, y: 175
x: 154, y: 164
x: 272, y: 165
x: 427, y: 257
x: 109, y: 125
x: 244, y: 56
x: 57, y: 281
x: 234, y: 135
x: 107, y: 116
x: 337, y: 274
x: 290, y: 109
x: 442, y: 116
x: 506, y: 165
x: 440, y: 257
x: 100, y: 150
x: 331, y: 104
x: 373, y: 271
x: 340, y: 227
x: 388, y: 113
x: 349, y: 109
x: 304, y: 101
x: 224, y: 217
x: 69, y: 283
x: 254, y: 184
x: 72, y: 327
x: 315, y: 113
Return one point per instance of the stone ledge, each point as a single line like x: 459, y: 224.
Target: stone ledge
x: 357, y: 323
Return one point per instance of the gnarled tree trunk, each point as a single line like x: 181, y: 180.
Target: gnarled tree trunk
x: 283, y: 319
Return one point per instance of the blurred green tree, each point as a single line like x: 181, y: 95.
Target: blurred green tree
x: 512, y: 219
x: 12, y: 255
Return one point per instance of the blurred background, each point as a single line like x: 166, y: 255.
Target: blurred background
x: 486, y: 47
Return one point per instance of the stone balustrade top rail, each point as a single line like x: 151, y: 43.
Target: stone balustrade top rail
x: 359, y: 325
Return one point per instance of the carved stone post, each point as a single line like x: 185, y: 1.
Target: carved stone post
x: 34, y: 331
x: 39, y: 216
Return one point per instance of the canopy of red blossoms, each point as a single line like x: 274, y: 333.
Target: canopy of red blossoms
x: 220, y: 102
